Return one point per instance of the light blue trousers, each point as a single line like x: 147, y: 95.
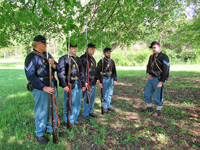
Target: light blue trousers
x: 107, y: 92
x: 151, y: 87
x: 42, y: 111
x: 76, y: 104
x: 87, y: 108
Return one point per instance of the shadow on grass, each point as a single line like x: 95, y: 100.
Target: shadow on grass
x: 126, y: 128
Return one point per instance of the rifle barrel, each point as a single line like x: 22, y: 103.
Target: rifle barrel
x: 55, y: 138
x: 102, y: 109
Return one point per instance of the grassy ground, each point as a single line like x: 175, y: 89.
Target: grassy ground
x: 126, y: 128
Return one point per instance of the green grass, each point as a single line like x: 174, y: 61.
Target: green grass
x: 126, y: 128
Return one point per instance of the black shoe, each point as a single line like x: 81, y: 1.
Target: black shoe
x: 149, y: 109
x: 93, y: 115
x: 111, y: 109
x: 156, y: 113
x: 78, y: 123
x: 42, y: 140
x: 61, y: 134
x: 106, y: 111
x: 87, y: 117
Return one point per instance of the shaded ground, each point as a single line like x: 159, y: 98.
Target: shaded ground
x: 128, y: 128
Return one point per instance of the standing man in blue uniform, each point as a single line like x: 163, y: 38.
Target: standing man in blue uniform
x: 157, y: 72
x: 77, y: 82
x: 87, y: 108
x: 37, y: 73
x: 109, y: 78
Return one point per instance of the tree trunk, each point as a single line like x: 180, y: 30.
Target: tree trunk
x: 15, y: 52
x: 7, y: 53
x: 54, y: 47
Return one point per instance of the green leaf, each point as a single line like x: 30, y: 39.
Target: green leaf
x: 70, y: 7
x: 72, y: 40
x: 46, y: 11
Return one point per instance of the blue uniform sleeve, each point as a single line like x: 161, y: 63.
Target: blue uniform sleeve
x: 82, y: 75
x: 165, y: 68
x: 114, y: 71
x: 148, y: 67
x: 99, y: 70
x: 30, y: 71
x: 84, y: 61
x: 62, y: 72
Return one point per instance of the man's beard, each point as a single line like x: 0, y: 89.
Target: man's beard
x: 107, y: 57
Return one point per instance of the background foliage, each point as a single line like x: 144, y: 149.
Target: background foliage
x: 114, y: 23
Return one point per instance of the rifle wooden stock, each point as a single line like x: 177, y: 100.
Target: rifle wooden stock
x: 69, y: 94
x: 55, y: 138
x: 88, y: 84
x: 102, y: 110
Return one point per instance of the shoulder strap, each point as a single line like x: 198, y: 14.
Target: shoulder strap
x: 157, y: 64
x: 151, y: 57
x: 42, y: 65
x: 107, y: 65
x: 39, y: 54
x: 93, y: 62
x: 75, y: 63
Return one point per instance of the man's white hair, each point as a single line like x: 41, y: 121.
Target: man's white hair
x: 34, y: 43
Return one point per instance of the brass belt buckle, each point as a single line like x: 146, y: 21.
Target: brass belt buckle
x: 110, y: 72
x: 76, y: 78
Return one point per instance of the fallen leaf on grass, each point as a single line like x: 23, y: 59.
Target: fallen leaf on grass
x: 194, y: 115
x: 193, y: 118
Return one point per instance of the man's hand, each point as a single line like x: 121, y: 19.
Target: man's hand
x: 149, y: 76
x: 48, y: 89
x: 115, y: 82
x: 66, y: 89
x: 98, y: 81
x: 51, y: 61
x: 86, y: 85
x: 100, y: 85
x: 159, y: 84
x: 83, y: 89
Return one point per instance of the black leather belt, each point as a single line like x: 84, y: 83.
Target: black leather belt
x: 44, y: 78
x: 74, y: 78
x: 91, y: 77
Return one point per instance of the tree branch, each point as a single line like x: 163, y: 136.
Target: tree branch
x: 110, y: 15
x: 34, y: 6
x: 93, y: 14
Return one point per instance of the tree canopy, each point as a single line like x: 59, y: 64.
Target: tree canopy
x: 112, y: 22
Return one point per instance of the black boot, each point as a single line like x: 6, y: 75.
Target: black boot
x: 111, y: 109
x: 106, y: 111
x: 93, y: 115
x: 156, y: 113
x: 87, y: 117
x: 149, y: 109
x: 42, y: 140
